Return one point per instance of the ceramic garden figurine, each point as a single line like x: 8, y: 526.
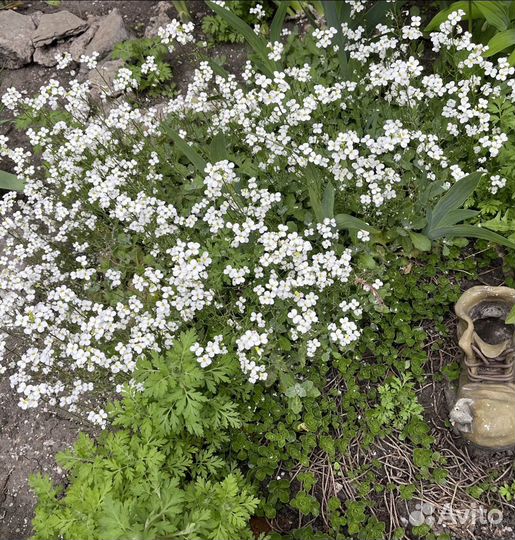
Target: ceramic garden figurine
x: 485, y: 408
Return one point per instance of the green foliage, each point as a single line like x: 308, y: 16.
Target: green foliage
x: 10, y: 182
x: 398, y: 405
x: 225, y: 25
x: 134, y: 53
x: 495, y: 23
x: 507, y: 491
x: 161, y: 474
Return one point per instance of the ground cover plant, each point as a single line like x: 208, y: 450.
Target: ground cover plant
x: 247, y: 286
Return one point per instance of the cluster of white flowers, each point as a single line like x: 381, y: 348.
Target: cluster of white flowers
x: 206, y: 355
x: 176, y: 31
x: 496, y: 184
x: 277, y: 50
x: 90, y: 61
x: 63, y: 60
x: 103, y: 261
x: 258, y: 11
x: 324, y: 37
x: 124, y: 80
x: 149, y: 66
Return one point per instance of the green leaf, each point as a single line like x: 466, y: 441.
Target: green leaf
x: 420, y: 241
x: 511, y: 59
x: 10, y: 181
x: 278, y: 21
x: 443, y: 15
x: 471, y: 231
x: 257, y: 44
x: 328, y: 201
x: 218, y: 148
x: 510, y: 319
x: 495, y: 13
x: 455, y: 216
x: 500, y: 41
x: 336, y: 13
x: 195, y: 158
x: 344, y: 221
x: 182, y: 9
x: 312, y: 177
x: 500, y: 223
x: 375, y: 15
x: 452, y: 200
x: 115, y: 518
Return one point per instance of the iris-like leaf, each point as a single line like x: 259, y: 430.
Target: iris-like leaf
x: 10, y: 182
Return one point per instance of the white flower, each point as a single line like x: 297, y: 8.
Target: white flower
x: 363, y: 235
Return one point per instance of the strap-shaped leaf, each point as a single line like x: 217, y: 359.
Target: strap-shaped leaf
x: 328, y: 201
x: 454, y: 198
x: 336, y: 13
x: 10, y: 182
x: 471, y: 231
x: 218, y: 148
x: 195, y: 158
x: 313, y: 183
x: 470, y: 9
x: 455, y: 216
x: 500, y: 41
x: 495, y: 13
x: 257, y: 44
x: 278, y: 20
x: 344, y: 221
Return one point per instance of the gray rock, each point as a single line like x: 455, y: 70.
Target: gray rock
x: 79, y: 44
x: 15, y: 39
x: 101, y: 79
x: 161, y: 19
x: 110, y: 32
x: 45, y: 56
x: 54, y: 26
x: 36, y: 17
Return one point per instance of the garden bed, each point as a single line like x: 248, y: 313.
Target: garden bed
x: 228, y: 287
